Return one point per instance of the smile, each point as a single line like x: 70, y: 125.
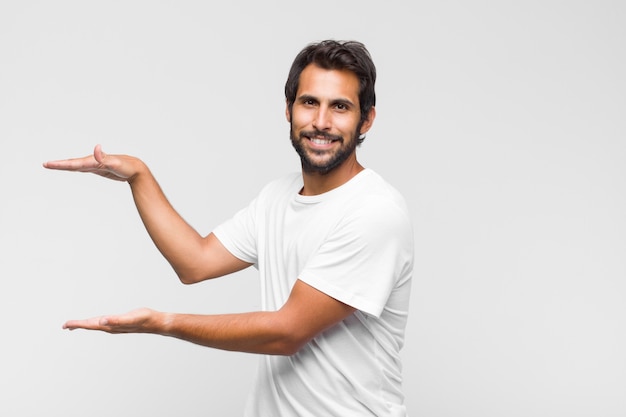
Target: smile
x: 320, y: 138
x: 318, y: 141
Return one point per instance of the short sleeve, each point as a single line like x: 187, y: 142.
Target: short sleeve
x: 365, y: 256
x: 238, y: 234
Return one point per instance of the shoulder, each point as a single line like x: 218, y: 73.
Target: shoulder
x: 376, y: 197
x: 375, y: 210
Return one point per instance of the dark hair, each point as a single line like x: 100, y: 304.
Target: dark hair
x: 337, y: 55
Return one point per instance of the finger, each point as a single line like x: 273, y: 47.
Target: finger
x: 94, y: 323
x: 86, y: 163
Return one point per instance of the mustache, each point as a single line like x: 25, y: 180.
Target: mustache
x: 320, y: 134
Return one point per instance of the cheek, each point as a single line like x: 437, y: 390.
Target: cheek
x: 347, y: 126
x: 300, y: 119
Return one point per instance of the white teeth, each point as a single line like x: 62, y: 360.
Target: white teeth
x: 321, y: 141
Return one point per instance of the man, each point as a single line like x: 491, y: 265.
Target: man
x: 333, y: 246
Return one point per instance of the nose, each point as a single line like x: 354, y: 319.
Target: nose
x: 322, y: 119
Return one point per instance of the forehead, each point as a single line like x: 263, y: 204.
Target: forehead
x: 332, y: 84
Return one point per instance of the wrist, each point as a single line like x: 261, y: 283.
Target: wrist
x: 165, y: 323
x: 139, y: 171
x: 137, y: 166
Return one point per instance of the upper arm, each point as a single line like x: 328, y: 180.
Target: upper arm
x: 216, y: 261
x: 309, y: 312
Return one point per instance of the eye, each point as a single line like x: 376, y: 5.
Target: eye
x: 308, y: 102
x: 342, y: 107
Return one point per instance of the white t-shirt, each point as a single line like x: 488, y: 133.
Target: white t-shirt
x: 354, y: 243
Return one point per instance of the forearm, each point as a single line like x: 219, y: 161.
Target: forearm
x: 307, y: 313
x: 255, y: 332
x: 179, y: 243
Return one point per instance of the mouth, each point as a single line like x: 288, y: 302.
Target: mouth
x: 320, y: 139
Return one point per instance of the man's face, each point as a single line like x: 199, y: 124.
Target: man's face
x: 325, y: 118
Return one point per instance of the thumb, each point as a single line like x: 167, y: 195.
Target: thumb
x: 99, y: 154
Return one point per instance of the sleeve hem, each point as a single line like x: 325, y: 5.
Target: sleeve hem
x: 345, y: 297
x: 231, y: 247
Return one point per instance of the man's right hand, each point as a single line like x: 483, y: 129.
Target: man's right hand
x: 115, y: 167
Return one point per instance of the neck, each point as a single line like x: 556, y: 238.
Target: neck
x: 317, y: 183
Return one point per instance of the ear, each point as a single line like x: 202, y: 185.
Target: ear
x: 367, y: 124
x: 287, y: 112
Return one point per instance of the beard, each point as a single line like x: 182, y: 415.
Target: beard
x: 323, y: 161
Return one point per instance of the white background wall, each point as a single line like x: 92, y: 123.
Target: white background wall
x: 503, y: 123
